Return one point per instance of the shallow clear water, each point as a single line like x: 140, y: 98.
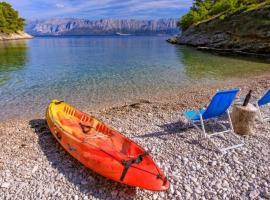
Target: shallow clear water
x: 94, y: 71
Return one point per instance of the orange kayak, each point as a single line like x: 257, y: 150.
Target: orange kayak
x: 103, y: 149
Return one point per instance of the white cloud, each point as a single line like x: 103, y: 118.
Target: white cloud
x: 58, y: 5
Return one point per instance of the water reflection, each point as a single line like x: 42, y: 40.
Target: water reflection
x: 205, y: 65
x: 13, y: 56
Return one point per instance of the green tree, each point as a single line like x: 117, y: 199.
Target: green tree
x: 10, y: 21
x: 207, y: 9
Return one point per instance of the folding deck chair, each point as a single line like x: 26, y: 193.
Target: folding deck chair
x: 218, y: 106
x: 262, y: 102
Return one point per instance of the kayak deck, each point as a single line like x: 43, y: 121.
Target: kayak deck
x: 103, y: 149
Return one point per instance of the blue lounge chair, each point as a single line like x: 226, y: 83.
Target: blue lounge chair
x: 262, y: 102
x: 218, y: 106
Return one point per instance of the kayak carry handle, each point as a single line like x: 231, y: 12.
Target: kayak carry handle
x: 128, y: 163
x: 85, y: 128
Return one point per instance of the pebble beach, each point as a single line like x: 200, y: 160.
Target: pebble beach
x: 34, y: 166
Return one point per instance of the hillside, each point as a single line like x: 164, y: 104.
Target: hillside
x: 56, y: 27
x: 11, y: 24
x: 244, y: 31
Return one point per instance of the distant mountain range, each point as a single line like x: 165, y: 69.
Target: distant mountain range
x: 65, y: 26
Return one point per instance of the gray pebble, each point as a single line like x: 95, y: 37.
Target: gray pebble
x: 254, y: 194
x: 5, y: 185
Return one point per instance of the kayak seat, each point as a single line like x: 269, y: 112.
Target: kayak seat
x: 72, y: 125
x: 84, y: 132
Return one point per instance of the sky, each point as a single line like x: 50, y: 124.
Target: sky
x: 100, y: 9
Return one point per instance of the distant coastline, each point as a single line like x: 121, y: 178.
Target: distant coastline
x: 15, y: 36
x: 79, y: 27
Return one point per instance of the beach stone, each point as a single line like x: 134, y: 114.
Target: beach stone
x: 188, y: 189
x: 155, y: 196
x: 162, y: 195
x: 193, y: 179
x: 198, y: 191
x: 188, y: 195
x: 225, y: 184
x: 218, y: 185
x: 198, y: 166
x: 265, y: 194
x: 84, y: 182
x: 172, y: 189
x: 193, y: 167
x: 5, y: 185
x: 213, y: 163
x: 185, y: 160
x: 114, y: 193
x: 7, y: 173
x: 34, y: 169
x: 183, y: 121
x: 178, y: 193
x: 253, y: 194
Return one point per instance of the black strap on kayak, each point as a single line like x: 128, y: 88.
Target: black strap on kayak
x: 128, y: 163
x: 85, y: 128
x: 158, y: 176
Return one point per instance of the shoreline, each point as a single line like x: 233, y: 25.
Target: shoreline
x: 15, y: 36
x: 200, y: 93
x: 220, y: 51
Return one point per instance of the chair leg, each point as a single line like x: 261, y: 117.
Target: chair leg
x: 223, y: 150
x: 260, y: 113
x: 208, y: 136
x: 202, y: 124
x: 230, y: 121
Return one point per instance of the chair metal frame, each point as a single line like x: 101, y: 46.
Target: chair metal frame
x: 202, y: 122
x: 262, y: 118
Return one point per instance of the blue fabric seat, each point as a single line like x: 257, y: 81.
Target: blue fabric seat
x: 263, y: 101
x: 217, y: 107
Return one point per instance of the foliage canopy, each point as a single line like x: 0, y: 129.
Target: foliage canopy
x: 10, y: 21
x: 206, y: 9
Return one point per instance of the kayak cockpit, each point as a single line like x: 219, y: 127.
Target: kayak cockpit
x: 90, y: 131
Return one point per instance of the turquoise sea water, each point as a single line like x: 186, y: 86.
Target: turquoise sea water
x: 94, y: 71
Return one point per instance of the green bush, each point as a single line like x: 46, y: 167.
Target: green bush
x: 222, y: 6
x: 222, y: 17
x: 10, y: 21
x: 207, y: 9
x: 188, y: 19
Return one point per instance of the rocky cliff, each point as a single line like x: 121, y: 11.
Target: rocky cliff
x: 15, y: 36
x: 56, y: 27
x: 246, y: 32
